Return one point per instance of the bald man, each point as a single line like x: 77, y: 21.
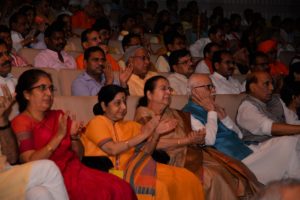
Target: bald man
x: 225, y: 136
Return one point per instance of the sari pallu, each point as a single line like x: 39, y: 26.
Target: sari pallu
x: 223, y: 177
x: 81, y: 182
x: 151, y: 180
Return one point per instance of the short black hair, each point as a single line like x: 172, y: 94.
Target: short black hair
x: 54, y: 28
x: 171, y: 36
x: 176, y: 55
x: 85, y: 33
x: 127, y: 38
x: 208, y: 47
x: 2, y: 42
x: 15, y: 17
x: 214, y: 29
x: 90, y: 50
x: 217, y: 57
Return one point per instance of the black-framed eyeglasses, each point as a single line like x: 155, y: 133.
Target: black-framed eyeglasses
x: 44, y: 87
x: 208, y: 86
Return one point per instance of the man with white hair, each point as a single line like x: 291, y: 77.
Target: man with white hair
x: 138, y: 57
x: 225, y: 136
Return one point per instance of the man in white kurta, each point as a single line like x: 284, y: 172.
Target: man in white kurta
x: 271, y: 159
x: 181, y: 62
x: 222, y: 77
x: 262, y: 115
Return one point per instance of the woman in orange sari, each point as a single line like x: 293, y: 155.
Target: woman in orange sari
x: 223, y: 177
x: 50, y: 134
x: 129, y: 146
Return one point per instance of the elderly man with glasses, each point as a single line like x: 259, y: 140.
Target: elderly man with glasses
x: 138, y: 58
x: 223, y: 134
x: 224, y: 67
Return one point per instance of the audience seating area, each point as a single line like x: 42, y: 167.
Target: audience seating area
x: 84, y: 105
x: 63, y: 78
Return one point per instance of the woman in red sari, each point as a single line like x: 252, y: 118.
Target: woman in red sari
x: 50, y: 134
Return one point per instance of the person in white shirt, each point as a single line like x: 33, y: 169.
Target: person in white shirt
x: 19, y: 30
x: 290, y: 100
x: 215, y: 34
x: 222, y: 133
x: 224, y: 66
x: 6, y: 77
x: 181, y: 62
x: 205, y: 65
x: 173, y: 41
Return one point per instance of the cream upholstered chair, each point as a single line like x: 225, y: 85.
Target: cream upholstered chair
x: 17, y: 71
x: 74, y: 44
x: 66, y: 77
x: 28, y: 54
x: 82, y: 106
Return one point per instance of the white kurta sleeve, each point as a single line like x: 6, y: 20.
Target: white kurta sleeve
x: 211, y: 127
x: 227, y: 121
x: 251, y: 119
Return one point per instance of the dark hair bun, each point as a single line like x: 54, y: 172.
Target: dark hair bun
x: 97, y: 110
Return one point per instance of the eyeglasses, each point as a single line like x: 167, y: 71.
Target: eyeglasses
x: 143, y: 58
x: 208, y: 86
x: 44, y: 87
x: 229, y: 62
x: 167, y: 89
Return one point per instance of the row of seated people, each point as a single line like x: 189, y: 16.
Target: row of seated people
x: 160, y: 83
x: 64, y: 78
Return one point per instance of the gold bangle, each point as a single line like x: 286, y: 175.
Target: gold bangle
x: 178, y: 142
x: 49, y: 148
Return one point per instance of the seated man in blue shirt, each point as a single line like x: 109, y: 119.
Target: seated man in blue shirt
x: 98, y: 73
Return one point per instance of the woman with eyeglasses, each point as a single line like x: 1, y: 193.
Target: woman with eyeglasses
x: 43, y: 133
x: 129, y: 146
x: 220, y: 174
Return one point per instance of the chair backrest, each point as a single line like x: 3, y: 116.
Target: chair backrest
x: 74, y: 54
x: 17, y: 71
x: 82, y: 106
x: 116, y: 45
x: 66, y: 77
x: 28, y: 54
x: 74, y: 44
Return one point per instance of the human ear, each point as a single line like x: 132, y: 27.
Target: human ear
x: 103, y: 106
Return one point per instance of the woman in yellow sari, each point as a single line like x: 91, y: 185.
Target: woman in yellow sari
x: 129, y: 147
x: 223, y: 177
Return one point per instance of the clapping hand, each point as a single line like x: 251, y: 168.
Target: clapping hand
x: 6, y: 101
x: 197, y: 137
x: 125, y: 75
x: 165, y: 126
x: 108, y: 73
x: 77, y: 127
